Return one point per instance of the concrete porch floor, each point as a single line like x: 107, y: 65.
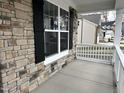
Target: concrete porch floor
x: 80, y: 77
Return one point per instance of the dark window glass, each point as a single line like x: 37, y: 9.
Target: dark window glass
x: 123, y: 29
x: 51, y: 43
x: 64, y: 19
x: 64, y: 41
x: 50, y: 16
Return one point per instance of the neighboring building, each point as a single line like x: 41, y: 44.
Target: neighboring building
x: 87, y: 32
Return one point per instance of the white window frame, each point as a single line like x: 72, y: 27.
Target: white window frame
x: 52, y: 58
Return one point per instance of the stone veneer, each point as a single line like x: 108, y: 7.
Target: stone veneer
x: 18, y: 71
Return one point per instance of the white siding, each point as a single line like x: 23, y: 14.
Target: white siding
x: 89, y: 32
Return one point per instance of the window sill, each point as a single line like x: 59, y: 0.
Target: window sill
x: 53, y: 58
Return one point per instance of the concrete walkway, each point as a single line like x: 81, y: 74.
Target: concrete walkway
x: 80, y: 77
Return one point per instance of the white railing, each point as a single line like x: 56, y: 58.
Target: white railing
x: 119, y: 69
x: 96, y: 53
x: 106, y: 54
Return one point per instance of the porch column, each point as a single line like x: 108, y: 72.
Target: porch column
x: 118, y: 27
x: 118, y: 32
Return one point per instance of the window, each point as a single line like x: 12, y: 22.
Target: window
x: 64, y: 19
x: 64, y: 41
x: 50, y: 16
x: 56, y: 30
x: 51, y: 43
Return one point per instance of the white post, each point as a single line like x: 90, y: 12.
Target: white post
x: 118, y: 27
x: 118, y: 31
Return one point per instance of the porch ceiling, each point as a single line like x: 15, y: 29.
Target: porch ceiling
x: 94, y: 5
x: 119, y: 4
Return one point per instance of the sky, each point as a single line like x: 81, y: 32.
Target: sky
x: 111, y: 15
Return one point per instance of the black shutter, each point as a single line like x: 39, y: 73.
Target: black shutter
x: 71, y: 26
x: 38, y: 24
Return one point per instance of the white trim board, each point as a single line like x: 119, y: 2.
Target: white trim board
x: 52, y: 59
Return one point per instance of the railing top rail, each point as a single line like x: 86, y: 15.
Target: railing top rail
x: 99, y: 45
x: 120, y: 54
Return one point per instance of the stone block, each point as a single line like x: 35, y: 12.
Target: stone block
x: 22, y: 80
x: 45, y: 75
x: 26, y: 90
x: 13, y: 90
x: 31, y: 60
x: 15, y: 54
x: 17, y: 24
x: 1, y: 21
x: 23, y: 73
x: 22, y: 15
x: 9, y: 78
x: 22, y: 7
x: 25, y: 85
x: 7, y: 33
x: 40, y: 67
x: 11, y: 85
x: 1, y: 43
x: 6, y: 43
x: 33, y: 69
x: 31, y: 46
x: 22, y: 52
x: 4, y: 86
x: 18, y: 31
x: 8, y: 6
x: 5, y: 37
x: 9, y: 54
x: 2, y: 56
x: 29, y: 1
x: 31, y: 51
x: 33, y: 77
x: 3, y: 75
x: 16, y: 47
x: 21, y: 63
x: 33, y: 86
x: 24, y: 47
x: 19, y: 58
x: 11, y: 42
x: 1, y: 33
x: 29, y: 33
x: 4, y: 10
x: 18, y: 91
x: 3, y: 66
x: 10, y: 72
x: 14, y: 80
x: 31, y: 41
x: 19, y: 69
x: 3, y: 91
x: 11, y: 15
x: 22, y: 42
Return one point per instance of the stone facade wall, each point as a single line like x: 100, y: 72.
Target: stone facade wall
x: 18, y: 71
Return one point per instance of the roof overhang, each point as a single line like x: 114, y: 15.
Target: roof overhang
x: 94, y: 7
x: 85, y: 6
